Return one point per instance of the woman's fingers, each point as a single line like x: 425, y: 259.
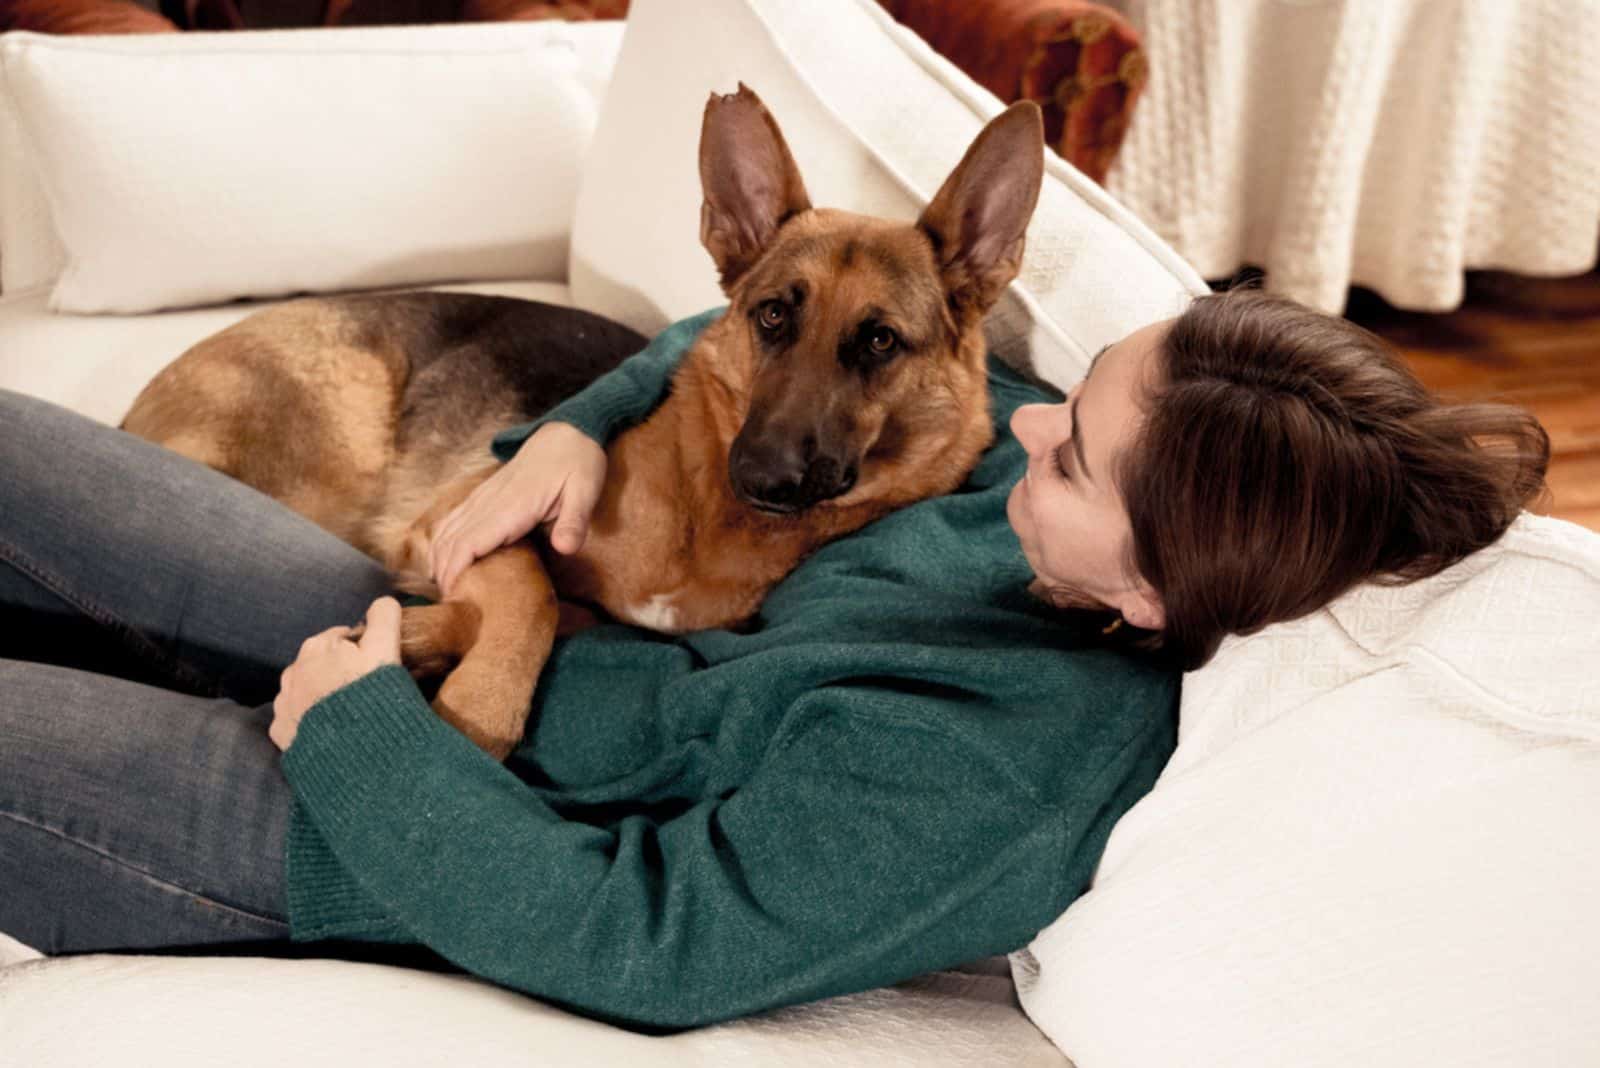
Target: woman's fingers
x: 382, y: 634
x: 449, y: 568
x: 440, y: 545
x: 460, y: 557
x: 325, y: 637
x: 578, y: 498
x: 469, y: 543
x: 448, y: 545
x: 555, y: 478
x: 450, y: 529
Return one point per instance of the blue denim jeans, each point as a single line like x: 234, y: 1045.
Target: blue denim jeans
x: 148, y: 606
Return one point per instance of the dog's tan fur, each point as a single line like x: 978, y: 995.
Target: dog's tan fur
x: 304, y: 403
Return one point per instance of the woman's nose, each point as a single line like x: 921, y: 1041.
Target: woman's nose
x: 1030, y: 425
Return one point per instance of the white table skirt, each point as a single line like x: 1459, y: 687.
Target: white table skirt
x: 1386, y: 143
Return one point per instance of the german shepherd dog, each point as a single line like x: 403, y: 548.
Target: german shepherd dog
x: 846, y: 379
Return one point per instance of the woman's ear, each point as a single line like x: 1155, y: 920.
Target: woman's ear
x: 1142, y: 607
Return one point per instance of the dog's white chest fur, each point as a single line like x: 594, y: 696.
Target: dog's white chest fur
x: 658, y: 613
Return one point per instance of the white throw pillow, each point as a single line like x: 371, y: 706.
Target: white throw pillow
x: 182, y: 171
x: 1376, y: 844
x: 876, y: 121
x: 30, y: 250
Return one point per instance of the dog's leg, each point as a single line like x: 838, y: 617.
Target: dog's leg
x: 434, y: 637
x: 493, y: 634
x: 487, y: 696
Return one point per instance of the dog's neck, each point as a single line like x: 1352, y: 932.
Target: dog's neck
x: 671, y: 546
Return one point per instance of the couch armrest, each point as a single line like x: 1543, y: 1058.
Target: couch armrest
x: 1080, y: 62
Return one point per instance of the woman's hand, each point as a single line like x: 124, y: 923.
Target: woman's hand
x: 554, y: 479
x: 328, y: 661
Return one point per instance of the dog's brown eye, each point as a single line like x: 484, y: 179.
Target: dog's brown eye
x: 883, y: 340
x: 773, y: 315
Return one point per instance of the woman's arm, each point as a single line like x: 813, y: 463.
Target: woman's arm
x: 867, y: 848
x: 557, y: 479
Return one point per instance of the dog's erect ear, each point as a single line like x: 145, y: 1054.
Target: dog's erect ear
x: 979, y: 218
x: 750, y: 182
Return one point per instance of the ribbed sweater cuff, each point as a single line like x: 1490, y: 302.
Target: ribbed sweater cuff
x: 596, y: 421
x: 357, y: 739
x: 621, y: 397
x: 325, y: 900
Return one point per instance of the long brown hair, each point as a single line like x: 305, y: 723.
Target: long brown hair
x: 1287, y: 455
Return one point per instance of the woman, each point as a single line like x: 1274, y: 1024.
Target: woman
x: 911, y: 762
x: 1340, y: 467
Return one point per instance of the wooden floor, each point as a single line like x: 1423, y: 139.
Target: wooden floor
x: 1532, y: 342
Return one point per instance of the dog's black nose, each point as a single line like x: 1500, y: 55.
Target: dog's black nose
x: 780, y: 477
x: 770, y: 476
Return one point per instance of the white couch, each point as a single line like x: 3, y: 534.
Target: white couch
x: 1373, y: 843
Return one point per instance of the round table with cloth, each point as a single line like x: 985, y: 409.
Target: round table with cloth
x: 1385, y: 143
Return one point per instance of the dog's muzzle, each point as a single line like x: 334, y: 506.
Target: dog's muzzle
x: 782, y: 480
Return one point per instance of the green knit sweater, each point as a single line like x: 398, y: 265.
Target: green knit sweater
x: 905, y: 764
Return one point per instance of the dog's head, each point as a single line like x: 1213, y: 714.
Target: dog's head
x: 857, y: 342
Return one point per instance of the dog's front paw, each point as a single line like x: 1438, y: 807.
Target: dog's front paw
x: 434, y: 637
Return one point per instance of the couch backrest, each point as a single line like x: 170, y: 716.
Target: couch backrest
x: 31, y: 250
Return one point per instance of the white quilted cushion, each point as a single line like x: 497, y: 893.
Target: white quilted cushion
x: 876, y: 121
x: 179, y: 171
x: 150, y: 1012
x: 1375, y: 845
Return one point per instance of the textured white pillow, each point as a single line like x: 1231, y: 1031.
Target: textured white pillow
x: 30, y: 252
x: 1376, y: 844
x: 183, y: 170
x: 876, y: 120
x: 166, y: 1012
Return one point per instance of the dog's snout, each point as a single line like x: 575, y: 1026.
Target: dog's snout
x: 785, y: 475
x: 769, y: 474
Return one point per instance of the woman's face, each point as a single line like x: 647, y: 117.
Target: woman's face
x: 1067, y: 511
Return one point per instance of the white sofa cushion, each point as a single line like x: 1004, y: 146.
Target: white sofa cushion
x: 97, y: 364
x: 393, y: 159
x: 1375, y: 844
x: 252, y: 1013
x: 30, y: 249
x: 876, y: 120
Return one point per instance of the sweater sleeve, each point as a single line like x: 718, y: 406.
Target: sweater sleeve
x: 621, y: 397
x: 868, y: 848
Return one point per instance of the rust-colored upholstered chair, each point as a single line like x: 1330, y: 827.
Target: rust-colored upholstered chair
x: 81, y: 16
x: 1081, y: 62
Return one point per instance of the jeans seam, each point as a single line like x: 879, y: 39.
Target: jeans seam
x: 165, y: 884
x: 180, y: 672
